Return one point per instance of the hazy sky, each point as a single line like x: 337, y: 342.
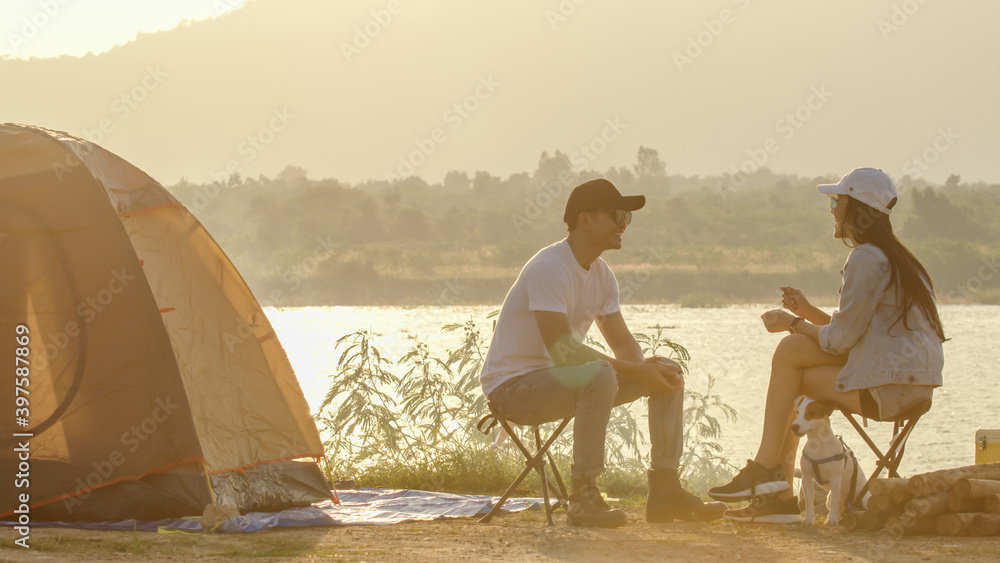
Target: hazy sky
x: 811, y: 88
x: 76, y: 27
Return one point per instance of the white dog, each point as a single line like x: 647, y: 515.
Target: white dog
x: 826, y: 460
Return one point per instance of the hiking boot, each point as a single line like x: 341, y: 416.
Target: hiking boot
x: 587, y: 508
x: 667, y: 501
x: 753, y: 480
x: 767, y: 509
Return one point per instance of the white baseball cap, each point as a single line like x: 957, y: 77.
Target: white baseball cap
x: 870, y: 186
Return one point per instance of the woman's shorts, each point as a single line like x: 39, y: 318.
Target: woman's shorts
x: 886, y: 401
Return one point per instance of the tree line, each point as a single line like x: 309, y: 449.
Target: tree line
x: 698, y: 241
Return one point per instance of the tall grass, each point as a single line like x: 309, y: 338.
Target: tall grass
x: 418, y: 429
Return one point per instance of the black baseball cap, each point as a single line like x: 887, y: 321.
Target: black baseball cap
x: 599, y: 194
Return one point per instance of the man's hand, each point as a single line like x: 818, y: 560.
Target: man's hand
x: 660, y: 374
x: 777, y: 320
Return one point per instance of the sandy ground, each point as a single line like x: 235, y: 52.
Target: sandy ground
x: 519, y: 537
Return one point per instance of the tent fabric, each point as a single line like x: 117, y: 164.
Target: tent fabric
x: 358, y: 507
x: 153, y: 370
x: 219, y: 332
x: 175, y: 491
x: 253, y: 489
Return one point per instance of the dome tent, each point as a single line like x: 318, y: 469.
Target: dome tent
x: 156, y: 384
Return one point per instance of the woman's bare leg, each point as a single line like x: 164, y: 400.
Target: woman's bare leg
x: 818, y: 383
x: 794, y: 355
x: 799, y: 366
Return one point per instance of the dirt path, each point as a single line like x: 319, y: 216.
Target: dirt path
x: 521, y: 537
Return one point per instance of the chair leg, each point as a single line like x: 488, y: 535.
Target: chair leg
x: 561, y: 492
x: 898, y: 456
x: 496, y: 507
x: 892, y: 457
x: 530, y: 463
x: 543, y: 477
x: 895, y: 453
x: 547, y: 485
x: 533, y: 462
x: 896, y: 461
x: 864, y: 435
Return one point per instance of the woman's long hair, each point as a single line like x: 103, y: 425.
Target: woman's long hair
x: 869, y: 225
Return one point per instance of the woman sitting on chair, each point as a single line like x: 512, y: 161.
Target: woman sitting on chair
x: 879, y: 352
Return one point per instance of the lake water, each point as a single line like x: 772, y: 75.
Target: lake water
x: 729, y: 343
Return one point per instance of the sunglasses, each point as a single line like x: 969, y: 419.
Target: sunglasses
x: 620, y: 216
x: 833, y: 203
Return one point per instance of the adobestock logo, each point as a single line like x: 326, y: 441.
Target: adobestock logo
x: 303, y: 270
x: 365, y: 34
x: 976, y: 283
x: 131, y: 440
x: 88, y: 309
x: 696, y: 44
x: 250, y: 149
x: 631, y: 282
x: 788, y: 125
x: 455, y: 117
x: 563, y: 12
x: 921, y: 162
x: 32, y: 25
x: 122, y: 107
x: 582, y: 157
x: 900, y: 16
x: 587, y: 153
x: 126, y: 103
x: 220, y: 7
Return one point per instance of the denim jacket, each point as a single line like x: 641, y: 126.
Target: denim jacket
x: 878, y: 352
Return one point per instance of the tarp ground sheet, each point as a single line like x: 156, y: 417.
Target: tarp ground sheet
x: 363, y: 506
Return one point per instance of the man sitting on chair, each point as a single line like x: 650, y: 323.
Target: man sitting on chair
x: 538, y: 369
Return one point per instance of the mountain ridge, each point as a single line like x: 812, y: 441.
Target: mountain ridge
x: 354, y: 115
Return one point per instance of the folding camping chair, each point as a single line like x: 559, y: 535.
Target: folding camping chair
x: 902, y: 426
x: 532, y: 462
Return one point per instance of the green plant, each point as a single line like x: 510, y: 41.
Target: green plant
x: 467, y: 361
x: 422, y: 391
x: 702, y: 460
x: 362, y: 407
x: 651, y: 344
x: 418, y: 430
x: 139, y: 545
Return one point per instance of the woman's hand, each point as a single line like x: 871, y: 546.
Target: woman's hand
x: 777, y: 320
x: 795, y: 301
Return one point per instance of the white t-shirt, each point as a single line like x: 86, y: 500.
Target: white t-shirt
x: 551, y: 281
